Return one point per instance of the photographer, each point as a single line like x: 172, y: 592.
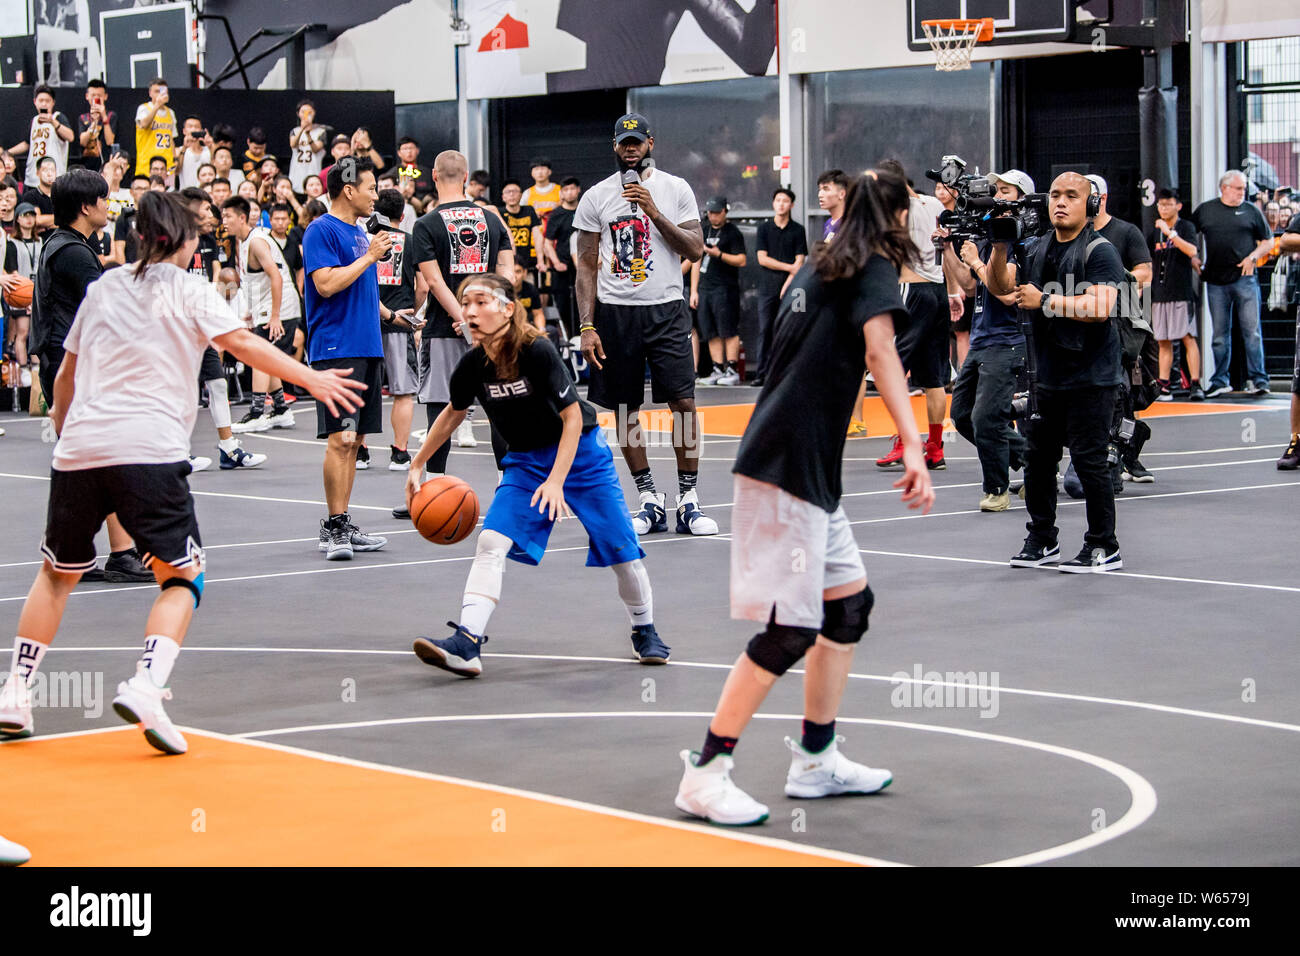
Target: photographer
x: 1069, y: 290
x: 49, y: 136
x: 981, y: 397
x: 192, y: 152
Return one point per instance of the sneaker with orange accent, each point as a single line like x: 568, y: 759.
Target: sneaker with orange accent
x: 856, y: 428
x: 933, y: 456
x: 895, y: 456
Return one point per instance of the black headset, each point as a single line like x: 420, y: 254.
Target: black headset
x: 1093, y: 208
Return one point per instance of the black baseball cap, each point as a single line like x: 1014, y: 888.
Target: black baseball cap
x: 632, y: 126
x: 716, y: 204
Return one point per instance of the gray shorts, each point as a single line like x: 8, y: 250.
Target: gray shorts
x: 785, y: 553
x: 1172, y: 320
x: 401, y: 364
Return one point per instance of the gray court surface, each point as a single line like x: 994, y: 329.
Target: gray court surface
x: 1142, y: 717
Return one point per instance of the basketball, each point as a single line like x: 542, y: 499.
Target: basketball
x: 445, y: 510
x: 20, y: 296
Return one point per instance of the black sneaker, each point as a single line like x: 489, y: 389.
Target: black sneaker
x: 1290, y: 459
x: 399, y: 459
x: 1092, y: 560
x: 649, y: 648
x: 1138, y: 474
x: 125, y: 568
x: 363, y: 458
x: 97, y: 573
x: 1034, y: 555
x: 401, y: 511
x: 461, y: 653
x: 1197, y: 394
x: 1166, y: 393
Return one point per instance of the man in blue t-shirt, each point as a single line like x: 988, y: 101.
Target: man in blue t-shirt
x: 343, y: 335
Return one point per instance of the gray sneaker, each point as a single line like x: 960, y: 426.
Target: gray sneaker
x: 335, y: 540
x: 361, y: 541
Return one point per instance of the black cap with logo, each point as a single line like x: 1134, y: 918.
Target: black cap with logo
x: 632, y: 126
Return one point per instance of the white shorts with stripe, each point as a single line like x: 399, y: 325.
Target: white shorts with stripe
x: 785, y: 552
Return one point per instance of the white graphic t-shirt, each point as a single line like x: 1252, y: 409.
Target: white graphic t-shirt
x: 637, y: 267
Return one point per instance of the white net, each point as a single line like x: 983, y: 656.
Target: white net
x: 953, y: 42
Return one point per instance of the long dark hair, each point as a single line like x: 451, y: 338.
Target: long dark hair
x: 517, y: 334
x: 869, y: 225
x: 165, y: 224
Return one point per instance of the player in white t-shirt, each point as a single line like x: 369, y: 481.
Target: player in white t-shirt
x: 306, y: 146
x: 49, y: 136
x: 271, y: 307
x: 124, y: 409
x: 633, y: 230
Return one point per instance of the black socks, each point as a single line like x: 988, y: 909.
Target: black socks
x: 714, y: 745
x: 645, y: 481
x: 817, y: 737
x: 686, y: 481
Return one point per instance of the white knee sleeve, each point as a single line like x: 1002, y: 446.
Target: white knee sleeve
x: 489, y: 565
x: 634, y: 589
x: 219, y: 402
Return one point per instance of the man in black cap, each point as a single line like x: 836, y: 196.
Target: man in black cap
x: 715, y: 292
x: 634, y: 228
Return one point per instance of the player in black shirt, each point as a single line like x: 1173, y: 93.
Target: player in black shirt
x: 1289, y: 242
x: 559, y: 251
x: 400, y: 284
x: 558, y: 461
x: 1175, y: 254
x: 787, y: 493
x: 782, y: 248
x: 715, y: 292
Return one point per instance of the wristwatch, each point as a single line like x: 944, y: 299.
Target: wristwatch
x: 1042, y: 303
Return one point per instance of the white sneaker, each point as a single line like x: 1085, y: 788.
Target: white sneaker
x: 251, y: 423
x: 651, y: 516
x: 13, y: 854
x: 418, y: 435
x: 690, y: 520
x: 709, y: 792
x: 139, y: 701
x: 711, y: 378
x: 829, y: 773
x: 464, y: 435
x: 25, y: 378
x: 15, y: 709
x: 729, y: 377
x: 199, y: 463
x: 283, y: 420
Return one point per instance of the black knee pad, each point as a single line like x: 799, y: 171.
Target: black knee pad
x: 779, y: 648
x: 846, y: 618
x: 195, y: 587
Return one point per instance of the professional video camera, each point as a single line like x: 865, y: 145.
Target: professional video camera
x: 980, y: 215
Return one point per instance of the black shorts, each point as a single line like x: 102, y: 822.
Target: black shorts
x: 369, y: 418
x: 633, y: 335
x: 285, y: 342
x: 211, y: 369
x: 967, y: 312
x: 719, y: 312
x: 51, y: 359
x: 152, y: 501
x: 922, y: 342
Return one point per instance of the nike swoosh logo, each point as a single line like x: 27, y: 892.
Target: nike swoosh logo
x: 566, y: 391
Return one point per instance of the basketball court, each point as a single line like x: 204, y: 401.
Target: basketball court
x: 1138, y: 717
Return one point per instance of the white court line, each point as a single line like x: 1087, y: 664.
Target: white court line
x: 806, y: 849
x: 1142, y: 796
x: 1208, y: 451
x: 890, y: 679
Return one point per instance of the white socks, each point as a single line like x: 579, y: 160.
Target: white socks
x: 634, y: 589
x: 483, y: 585
x: 27, y: 656
x: 159, y: 655
x: 219, y: 402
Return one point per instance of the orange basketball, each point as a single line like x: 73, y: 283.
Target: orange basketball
x: 20, y: 296
x: 445, y: 510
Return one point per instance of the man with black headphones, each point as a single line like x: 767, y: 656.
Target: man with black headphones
x: 1069, y: 288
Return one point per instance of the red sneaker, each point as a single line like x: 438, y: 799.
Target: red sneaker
x: 934, y: 456
x: 894, y: 457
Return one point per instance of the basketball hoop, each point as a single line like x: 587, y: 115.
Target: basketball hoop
x: 953, y: 41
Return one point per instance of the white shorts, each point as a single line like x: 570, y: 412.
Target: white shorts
x: 785, y: 553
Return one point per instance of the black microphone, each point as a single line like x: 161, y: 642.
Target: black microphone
x: 375, y: 225
x: 631, y: 178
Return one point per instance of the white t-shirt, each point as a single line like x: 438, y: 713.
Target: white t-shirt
x: 636, y: 266
x: 305, y: 161
x: 139, y: 344
x: 43, y: 141
x: 408, y: 218
x: 187, y: 173
x: 922, y: 221
x: 257, y: 285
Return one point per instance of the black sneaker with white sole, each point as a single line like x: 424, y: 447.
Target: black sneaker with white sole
x: 1034, y: 555
x: 1092, y: 560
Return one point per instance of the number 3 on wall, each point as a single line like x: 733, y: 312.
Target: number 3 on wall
x: 1148, y: 192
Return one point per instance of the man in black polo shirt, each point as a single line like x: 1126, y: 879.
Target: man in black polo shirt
x: 1236, y: 235
x: 715, y: 292
x: 68, y: 265
x: 782, y: 248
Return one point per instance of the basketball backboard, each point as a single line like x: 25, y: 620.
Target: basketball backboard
x: 1014, y: 21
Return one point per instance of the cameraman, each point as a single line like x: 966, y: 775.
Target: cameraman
x: 981, y: 397
x: 1070, y: 293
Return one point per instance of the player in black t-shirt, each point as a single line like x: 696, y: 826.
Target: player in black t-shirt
x: 715, y: 292
x: 558, y: 461
x: 458, y: 238
x: 1175, y: 254
x: 559, y: 251
x: 781, y: 249
x: 1289, y: 242
x: 400, y: 284
x: 837, y: 322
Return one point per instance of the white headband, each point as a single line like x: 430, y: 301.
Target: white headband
x: 496, y: 293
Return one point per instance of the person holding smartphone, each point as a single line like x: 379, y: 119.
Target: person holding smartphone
x: 155, y: 128
x: 50, y: 134
x: 97, y: 129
